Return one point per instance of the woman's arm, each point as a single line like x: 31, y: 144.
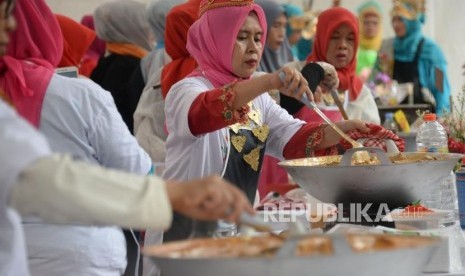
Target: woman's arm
x: 294, y: 85
x: 220, y: 107
x: 313, y: 140
x: 61, y: 190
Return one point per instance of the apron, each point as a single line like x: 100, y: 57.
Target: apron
x: 238, y: 171
x: 246, y: 150
x: 407, y: 71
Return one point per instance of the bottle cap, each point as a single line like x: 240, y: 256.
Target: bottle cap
x: 429, y: 117
x: 389, y: 115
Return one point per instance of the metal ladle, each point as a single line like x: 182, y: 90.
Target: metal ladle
x: 360, y: 156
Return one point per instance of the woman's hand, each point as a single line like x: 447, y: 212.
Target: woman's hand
x: 330, y: 80
x: 350, y: 125
x: 209, y: 198
x: 293, y: 85
x: 331, y: 137
x: 318, y: 95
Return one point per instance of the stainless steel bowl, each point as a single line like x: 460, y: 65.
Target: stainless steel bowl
x: 394, y: 184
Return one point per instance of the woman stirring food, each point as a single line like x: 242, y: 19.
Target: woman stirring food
x: 221, y: 120
x: 60, y: 189
x: 336, y: 42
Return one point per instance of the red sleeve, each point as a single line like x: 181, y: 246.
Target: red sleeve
x: 304, y: 141
x: 211, y: 110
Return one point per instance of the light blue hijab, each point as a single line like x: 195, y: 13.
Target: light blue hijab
x: 273, y: 60
x: 292, y: 11
x: 431, y: 59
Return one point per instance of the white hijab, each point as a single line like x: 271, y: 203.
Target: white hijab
x: 123, y: 21
x: 156, y: 16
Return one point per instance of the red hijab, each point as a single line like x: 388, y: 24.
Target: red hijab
x: 178, y: 22
x: 328, y: 22
x: 35, y: 48
x: 95, y: 51
x: 77, y: 39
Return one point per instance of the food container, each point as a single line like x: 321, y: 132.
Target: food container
x: 333, y: 179
x: 381, y: 255
x: 416, y: 221
x: 447, y: 257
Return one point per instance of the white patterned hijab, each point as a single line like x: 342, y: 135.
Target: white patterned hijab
x: 123, y: 21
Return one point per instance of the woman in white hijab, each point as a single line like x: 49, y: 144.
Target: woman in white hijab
x: 156, y: 16
x: 150, y: 65
x: 123, y: 25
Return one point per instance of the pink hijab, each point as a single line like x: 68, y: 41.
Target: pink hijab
x: 35, y: 49
x: 211, y: 41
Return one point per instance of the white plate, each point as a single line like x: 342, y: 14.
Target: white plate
x: 398, y: 215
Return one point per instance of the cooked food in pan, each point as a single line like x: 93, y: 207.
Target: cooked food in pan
x: 399, y: 158
x: 266, y: 246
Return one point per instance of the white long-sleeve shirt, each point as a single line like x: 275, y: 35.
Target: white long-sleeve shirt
x: 189, y: 157
x: 20, y: 145
x: 79, y: 118
x: 61, y: 190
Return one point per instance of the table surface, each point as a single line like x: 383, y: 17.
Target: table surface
x: 403, y: 106
x: 462, y: 272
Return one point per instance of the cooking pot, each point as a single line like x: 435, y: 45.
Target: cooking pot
x: 394, y: 184
x: 410, y: 259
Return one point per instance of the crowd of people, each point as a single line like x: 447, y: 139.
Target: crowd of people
x: 196, y: 85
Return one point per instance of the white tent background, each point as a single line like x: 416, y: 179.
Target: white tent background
x: 445, y: 23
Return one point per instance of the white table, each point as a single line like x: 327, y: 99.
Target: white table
x: 462, y: 272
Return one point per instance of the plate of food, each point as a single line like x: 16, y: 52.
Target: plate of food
x: 416, y: 216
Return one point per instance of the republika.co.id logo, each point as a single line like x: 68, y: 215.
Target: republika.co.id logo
x: 352, y: 213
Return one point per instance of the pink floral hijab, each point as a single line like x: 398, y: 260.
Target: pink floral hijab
x: 212, y: 37
x: 35, y: 49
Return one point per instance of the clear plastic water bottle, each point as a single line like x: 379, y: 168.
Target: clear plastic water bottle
x: 389, y: 122
x: 432, y: 137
